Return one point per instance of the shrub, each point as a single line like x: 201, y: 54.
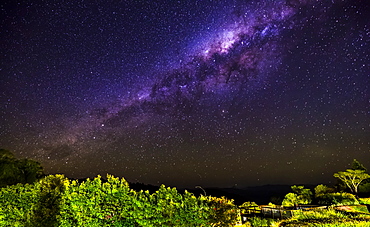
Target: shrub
x: 301, y: 195
x: 93, y: 203
x: 249, y: 207
x: 46, y: 208
x: 57, y: 201
x: 326, y: 218
x: 16, y: 204
x: 13, y: 170
x: 364, y: 188
x: 338, y: 198
x: 222, y: 211
x: 259, y: 221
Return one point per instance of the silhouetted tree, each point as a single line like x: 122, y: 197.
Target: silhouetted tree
x: 356, y: 165
x: 14, y: 171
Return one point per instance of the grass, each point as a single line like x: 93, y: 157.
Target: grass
x: 316, y: 218
x: 356, y: 209
x: 365, y: 201
x: 333, y: 223
x: 328, y: 218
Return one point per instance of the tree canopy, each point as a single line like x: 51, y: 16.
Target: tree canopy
x: 301, y: 195
x: 352, y: 178
x: 13, y: 170
x: 356, y: 165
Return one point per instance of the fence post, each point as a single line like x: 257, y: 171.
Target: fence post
x: 281, y: 213
x: 273, y: 213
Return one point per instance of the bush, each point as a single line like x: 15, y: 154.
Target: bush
x: 325, y: 218
x: 364, y: 188
x: 93, y: 203
x: 46, y: 208
x: 249, y: 207
x: 16, y: 204
x: 319, y: 214
x: 301, y: 195
x: 222, y: 211
x: 259, y: 221
x: 57, y: 201
x: 338, y: 198
x: 14, y: 171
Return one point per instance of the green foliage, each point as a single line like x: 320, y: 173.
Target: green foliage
x: 260, y: 221
x: 365, y: 201
x: 352, y: 178
x: 5, y: 154
x: 342, y: 224
x: 364, y: 188
x: 17, y: 202
x: 338, y: 198
x: 304, y: 195
x: 276, y: 200
x: 249, y: 207
x: 47, y: 208
x: 13, y: 171
x: 319, y: 214
x: 167, y: 207
x: 356, y: 165
x: 222, y: 211
x: 290, y: 199
x: 360, y: 208
x: 325, y: 217
x: 301, y: 195
x: 94, y: 203
x: 322, y: 189
x: 58, y: 201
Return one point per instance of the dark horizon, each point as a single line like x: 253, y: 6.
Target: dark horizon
x: 330, y: 183
x: 187, y: 92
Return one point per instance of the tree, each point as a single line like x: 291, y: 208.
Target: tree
x: 364, y: 187
x: 301, y: 195
x: 290, y: 199
x: 356, y: 165
x: 352, y: 178
x: 13, y: 170
x: 31, y: 170
x: 322, y: 190
x: 337, y: 198
x: 5, y: 154
x: 222, y: 211
x: 9, y: 171
x: 304, y: 194
x: 46, y: 210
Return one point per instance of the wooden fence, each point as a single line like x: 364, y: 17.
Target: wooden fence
x: 279, y: 211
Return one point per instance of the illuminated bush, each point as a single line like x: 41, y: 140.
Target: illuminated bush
x: 58, y: 201
x: 338, y: 198
x: 223, y: 211
x: 16, y: 204
x: 301, y: 195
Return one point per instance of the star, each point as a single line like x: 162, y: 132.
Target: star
x: 186, y: 93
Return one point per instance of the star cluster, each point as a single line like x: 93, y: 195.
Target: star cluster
x: 187, y: 92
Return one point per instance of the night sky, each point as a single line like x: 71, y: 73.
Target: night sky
x: 184, y: 93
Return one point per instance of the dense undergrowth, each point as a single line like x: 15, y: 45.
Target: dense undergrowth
x: 58, y: 201
x: 316, y: 218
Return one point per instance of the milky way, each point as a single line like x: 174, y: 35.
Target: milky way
x: 263, y: 88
